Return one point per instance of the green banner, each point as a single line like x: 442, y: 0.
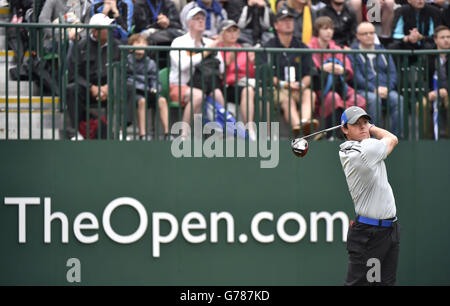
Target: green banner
x: 130, y: 213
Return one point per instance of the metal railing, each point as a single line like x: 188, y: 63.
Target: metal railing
x: 56, y: 73
x: 414, y: 113
x: 42, y: 73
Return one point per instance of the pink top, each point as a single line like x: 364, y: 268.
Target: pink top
x: 241, y: 66
x: 317, y: 57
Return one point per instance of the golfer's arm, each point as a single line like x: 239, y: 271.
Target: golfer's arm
x: 388, y: 137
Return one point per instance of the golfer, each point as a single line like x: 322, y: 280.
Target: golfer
x: 373, y: 239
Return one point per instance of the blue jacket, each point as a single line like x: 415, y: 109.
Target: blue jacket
x: 146, y: 73
x: 384, y: 67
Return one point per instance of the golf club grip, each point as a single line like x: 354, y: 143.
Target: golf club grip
x: 323, y: 131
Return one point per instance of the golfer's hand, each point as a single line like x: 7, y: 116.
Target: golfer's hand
x: 390, y: 139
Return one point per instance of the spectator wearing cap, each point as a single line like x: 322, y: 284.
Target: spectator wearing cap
x: 304, y: 18
x: 239, y: 72
x: 255, y: 21
x: 183, y: 64
x: 291, y: 75
x: 344, y: 20
x: 215, y: 14
x: 91, y: 85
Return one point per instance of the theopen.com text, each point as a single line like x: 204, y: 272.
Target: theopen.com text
x: 204, y: 231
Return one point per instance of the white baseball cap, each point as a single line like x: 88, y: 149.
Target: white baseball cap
x: 194, y: 12
x: 100, y: 19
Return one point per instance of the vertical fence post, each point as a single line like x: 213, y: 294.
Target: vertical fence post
x: 19, y: 63
x: 422, y: 128
x: 40, y: 36
x: 110, y: 81
x: 124, y: 96
x: 6, y: 86
x: 408, y: 103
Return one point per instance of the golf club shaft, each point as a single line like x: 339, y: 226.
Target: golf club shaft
x: 323, y: 131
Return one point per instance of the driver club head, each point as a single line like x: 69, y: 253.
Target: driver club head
x: 299, y: 147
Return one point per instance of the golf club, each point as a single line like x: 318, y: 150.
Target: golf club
x: 300, y: 145
x: 322, y: 131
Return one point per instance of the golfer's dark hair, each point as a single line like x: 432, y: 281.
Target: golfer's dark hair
x: 345, y: 135
x: 323, y: 22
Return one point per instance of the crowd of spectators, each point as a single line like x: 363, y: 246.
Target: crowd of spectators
x: 336, y: 70
x: 307, y: 86
x: 292, y: 75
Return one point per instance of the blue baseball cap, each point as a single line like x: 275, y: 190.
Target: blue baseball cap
x: 352, y: 114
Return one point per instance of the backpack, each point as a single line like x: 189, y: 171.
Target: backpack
x: 340, y: 85
x: 215, y: 112
x: 93, y: 127
x: 207, y: 74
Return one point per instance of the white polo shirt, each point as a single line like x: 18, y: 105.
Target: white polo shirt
x: 365, y: 171
x: 182, y: 60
